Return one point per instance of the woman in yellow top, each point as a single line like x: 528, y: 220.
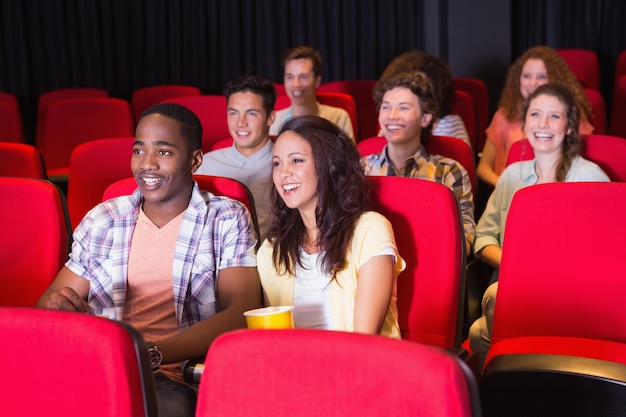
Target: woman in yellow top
x: 326, y: 253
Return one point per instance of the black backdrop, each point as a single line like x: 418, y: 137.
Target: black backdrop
x: 599, y: 25
x: 122, y: 45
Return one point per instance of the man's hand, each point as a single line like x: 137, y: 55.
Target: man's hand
x: 66, y: 299
x: 68, y: 292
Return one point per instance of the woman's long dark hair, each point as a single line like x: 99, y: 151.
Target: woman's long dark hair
x: 572, y: 143
x: 343, y: 192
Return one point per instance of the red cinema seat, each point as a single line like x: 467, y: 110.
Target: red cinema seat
x: 95, y: 165
x: 72, y: 122
x: 431, y: 290
x: 340, y: 100
x: 362, y: 91
x: 584, y: 64
x: 220, y: 186
x: 34, y: 240
x: 50, y: 97
x: 93, y: 365
x: 147, y: 96
x: 463, y: 105
x: 343, y: 101
x: 477, y: 89
x: 211, y: 110
x: 599, y: 111
x: 609, y: 152
x: 438, y: 145
x: 11, y: 125
x: 559, y: 332
x: 21, y: 160
x: 280, y: 89
x: 420, y: 380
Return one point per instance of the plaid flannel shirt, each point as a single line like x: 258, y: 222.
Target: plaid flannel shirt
x: 435, y: 168
x: 215, y: 233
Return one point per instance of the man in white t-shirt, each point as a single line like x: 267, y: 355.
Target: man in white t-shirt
x: 302, y: 76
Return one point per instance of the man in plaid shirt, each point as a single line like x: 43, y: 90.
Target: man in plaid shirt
x: 177, y: 263
x: 407, y: 104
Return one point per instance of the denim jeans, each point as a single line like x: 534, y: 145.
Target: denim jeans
x: 173, y: 398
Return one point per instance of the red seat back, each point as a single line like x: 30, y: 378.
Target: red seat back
x: 147, y: 96
x: 599, y: 111
x: 456, y: 149
x: 463, y: 105
x: 477, y: 89
x: 520, y: 151
x: 282, y: 102
x: 340, y: 100
x: 362, y: 91
x: 249, y: 372
x: 50, y: 97
x: 546, y: 288
x: 8, y: 98
x: 427, y: 226
x: 92, y: 365
x: 94, y: 166
x: 343, y: 101
x: 72, y: 122
x: 370, y: 146
x: 211, y: 110
x: 558, y: 323
x: 214, y: 184
x: 618, y: 109
x: 223, y: 143
x: 11, y: 126
x: 609, y: 152
x: 448, y: 147
x: 584, y: 64
x: 34, y: 239
x: 20, y: 160
x: 280, y: 89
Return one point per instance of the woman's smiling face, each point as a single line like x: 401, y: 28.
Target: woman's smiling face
x: 546, y: 123
x: 294, y: 173
x: 534, y: 74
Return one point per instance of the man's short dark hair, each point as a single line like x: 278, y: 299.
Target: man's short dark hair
x: 190, y: 126
x: 256, y: 85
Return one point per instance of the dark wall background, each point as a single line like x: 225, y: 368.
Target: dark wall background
x: 122, y: 45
